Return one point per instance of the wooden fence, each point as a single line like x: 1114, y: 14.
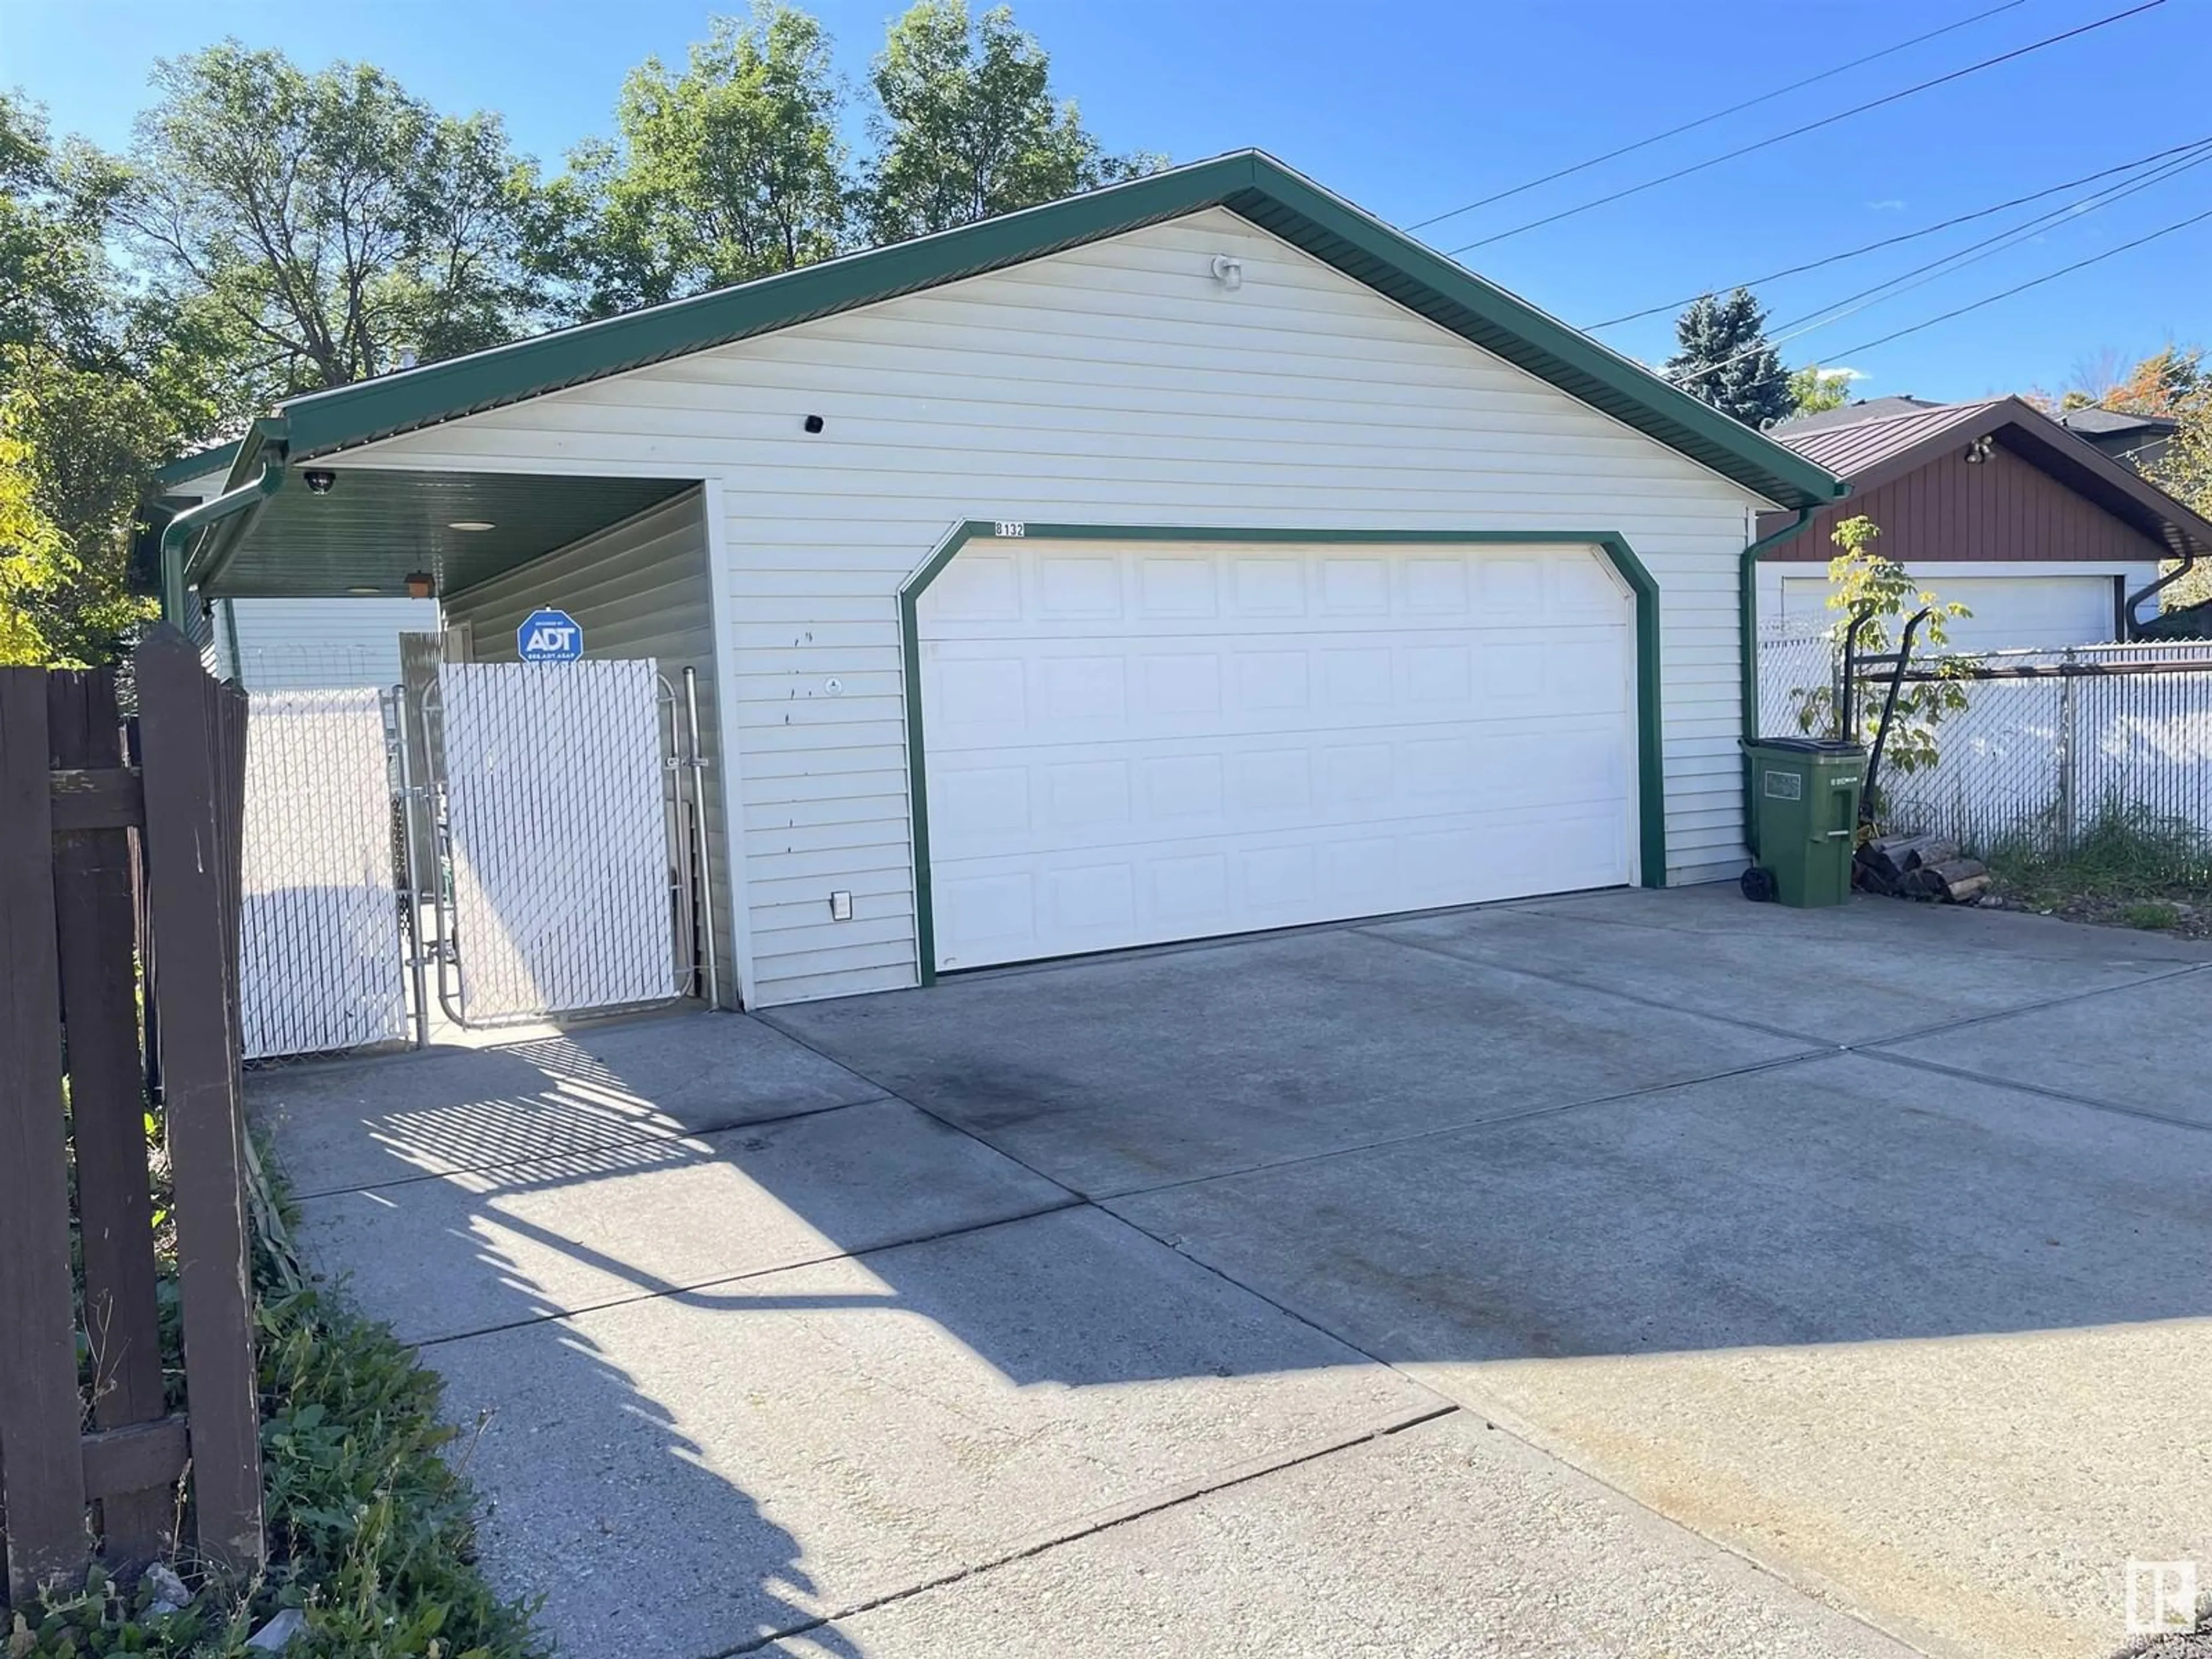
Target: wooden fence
x: 117, y: 880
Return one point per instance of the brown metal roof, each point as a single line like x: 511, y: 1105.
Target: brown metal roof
x: 1871, y: 452
x: 1850, y: 447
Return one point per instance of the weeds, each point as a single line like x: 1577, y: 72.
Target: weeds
x: 2129, y: 865
x: 371, y: 1534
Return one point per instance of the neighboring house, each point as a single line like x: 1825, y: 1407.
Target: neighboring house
x: 2140, y: 440
x: 1193, y: 556
x: 268, y: 644
x: 1851, y: 414
x: 2045, y: 538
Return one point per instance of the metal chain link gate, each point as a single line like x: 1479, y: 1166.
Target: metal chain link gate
x: 567, y: 851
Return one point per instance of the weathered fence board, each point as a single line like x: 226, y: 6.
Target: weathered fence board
x: 107, y: 1103
x: 103, y: 858
x: 44, y: 1467
x: 192, y: 743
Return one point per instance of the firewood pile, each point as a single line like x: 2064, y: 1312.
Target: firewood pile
x: 1925, y: 867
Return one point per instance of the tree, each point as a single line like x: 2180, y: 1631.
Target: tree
x: 967, y: 125
x: 2183, y: 470
x: 57, y: 292
x: 309, y: 227
x: 2172, y: 381
x: 1860, y: 580
x: 1723, y: 359
x: 1815, y: 390
x: 731, y: 170
x: 2169, y: 381
x: 77, y: 451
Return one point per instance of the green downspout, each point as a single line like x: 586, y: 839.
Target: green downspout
x: 179, y: 531
x: 1747, y: 586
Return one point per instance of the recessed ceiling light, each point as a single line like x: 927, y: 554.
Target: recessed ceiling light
x: 370, y: 592
x: 471, y: 524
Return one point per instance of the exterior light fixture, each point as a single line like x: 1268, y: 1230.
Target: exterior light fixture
x: 1228, y: 271
x: 365, y: 592
x: 471, y: 524
x: 1979, y: 451
x: 421, y: 585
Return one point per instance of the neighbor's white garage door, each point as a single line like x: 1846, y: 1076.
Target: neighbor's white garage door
x: 2008, y: 611
x: 1130, y: 744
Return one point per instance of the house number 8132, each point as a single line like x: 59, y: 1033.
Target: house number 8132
x: 1013, y: 527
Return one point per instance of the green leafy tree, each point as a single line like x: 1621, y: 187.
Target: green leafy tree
x: 306, y: 227
x: 77, y: 451
x: 967, y: 125
x: 32, y: 563
x: 1861, y: 580
x: 1815, y: 390
x: 729, y: 170
x: 57, y: 291
x: 2183, y: 470
x: 1722, y: 357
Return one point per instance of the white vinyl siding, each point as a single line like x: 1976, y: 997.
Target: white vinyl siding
x: 1112, y: 384
x: 639, y: 589
x: 269, y: 644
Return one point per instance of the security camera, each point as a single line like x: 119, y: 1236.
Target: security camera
x: 320, y: 483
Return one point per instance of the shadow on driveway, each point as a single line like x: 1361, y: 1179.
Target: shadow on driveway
x: 773, y: 1329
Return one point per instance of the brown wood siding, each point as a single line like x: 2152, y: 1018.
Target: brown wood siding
x: 2003, y: 509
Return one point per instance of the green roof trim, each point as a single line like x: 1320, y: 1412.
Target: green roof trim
x: 219, y: 459
x: 1253, y: 186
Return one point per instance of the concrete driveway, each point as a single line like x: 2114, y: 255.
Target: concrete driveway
x: 1638, y: 1273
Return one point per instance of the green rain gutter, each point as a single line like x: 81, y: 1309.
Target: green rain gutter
x: 177, y: 535
x: 1746, y: 589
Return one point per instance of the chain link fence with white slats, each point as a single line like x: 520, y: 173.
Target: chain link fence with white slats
x: 319, y: 952
x: 559, y: 838
x: 1793, y: 664
x: 2053, y: 745
x: 2056, y: 747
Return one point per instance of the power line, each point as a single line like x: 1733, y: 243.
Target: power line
x: 1977, y: 304
x: 1893, y: 241
x: 1974, y: 252
x: 1810, y: 126
x: 1717, y: 115
x: 2022, y: 287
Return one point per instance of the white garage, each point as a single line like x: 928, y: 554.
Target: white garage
x: 1193, y: 556
x: 1127, y: 742
x: 2010, y: 609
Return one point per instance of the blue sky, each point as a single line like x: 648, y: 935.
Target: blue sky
x: 1413, y: 107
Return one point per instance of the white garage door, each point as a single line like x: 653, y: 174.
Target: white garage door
x: 2009, y: 611
x: 1130, y: 744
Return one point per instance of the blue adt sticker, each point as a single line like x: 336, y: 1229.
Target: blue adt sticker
x: 549, y: 636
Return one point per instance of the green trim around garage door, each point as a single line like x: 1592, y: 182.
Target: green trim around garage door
x: 1651, y: 775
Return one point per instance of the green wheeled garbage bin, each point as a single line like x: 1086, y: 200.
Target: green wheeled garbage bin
x: 1805, y: 796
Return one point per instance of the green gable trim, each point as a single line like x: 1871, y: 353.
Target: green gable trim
x: 1651, y: 766
x: 1254, y: 186
x: 221, y: 459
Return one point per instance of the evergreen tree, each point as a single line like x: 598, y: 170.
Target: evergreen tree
x: 1723, y: 359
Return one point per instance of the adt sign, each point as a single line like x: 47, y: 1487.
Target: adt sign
x: 549, y: 636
